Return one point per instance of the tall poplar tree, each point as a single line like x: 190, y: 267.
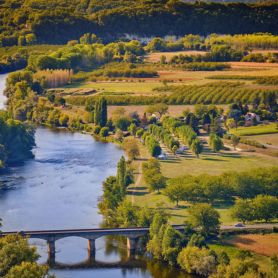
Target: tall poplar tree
x: 121, y: 173
x: 100, y: 117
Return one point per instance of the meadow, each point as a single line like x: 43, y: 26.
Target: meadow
x: 255, y: 130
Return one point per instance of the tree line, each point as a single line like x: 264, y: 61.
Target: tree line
x: 26, y: 22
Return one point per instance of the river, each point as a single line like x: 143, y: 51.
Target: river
x: 60, y: 189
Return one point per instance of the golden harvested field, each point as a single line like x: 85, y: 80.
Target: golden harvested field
x: 260, y: 244
x: 155, y: 57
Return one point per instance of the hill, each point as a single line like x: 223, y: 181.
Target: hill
x: 109, y: 19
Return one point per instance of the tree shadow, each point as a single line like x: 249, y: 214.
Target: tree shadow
x: 214, y: 159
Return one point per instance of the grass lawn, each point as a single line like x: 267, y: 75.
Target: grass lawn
x: 215, y: 164
x: 43, y: 48
x: 119, y: 87
x: 269, y: 139
x: 232, y: 251
x: 255, y: 130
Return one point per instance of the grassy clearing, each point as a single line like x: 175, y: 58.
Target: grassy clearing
x: 155, y: 57
x: 43, y: 48
x: 119, y: 86
x: 142, y: 197
x: 215, y: 164
x: 269, y: 139
x: 255, y: 130
x: 232, y: 251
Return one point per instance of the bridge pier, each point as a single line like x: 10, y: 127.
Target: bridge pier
x: 131, y: 246
x: 91, y: 250
x: 51, y: 251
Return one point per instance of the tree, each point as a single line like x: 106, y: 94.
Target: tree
x: 196, y: 147
x: 140, y: 132
x: 121, y: 173
x: 100, y: 112
x: 160, y: 108
x: 235, y: 141
x: 119, y: 135
x: 197, y: 261
x: 174, y: 149
x: 152, y: 175
x: 18, y: 257
x: 205, y: 218
x: 28, y: 270
x: 266, y: 207
x: 215, y: 142
x: 176, y: 191
x: 171, y: 244
x: 104, y: 132
x: 243, y: 210
x: 132, y: 129
x: 126, y: 215
x: 132, y: 149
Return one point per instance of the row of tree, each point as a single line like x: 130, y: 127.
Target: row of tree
x: 225, y: 187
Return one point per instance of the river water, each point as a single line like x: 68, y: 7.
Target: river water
x: 60, y: 189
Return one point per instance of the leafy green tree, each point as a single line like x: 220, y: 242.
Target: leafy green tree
x: 28, y: 270
x: 215, y: 142
x: 243, y: 210
x: 140, y: 132
x: 132, y: 149
x: 171, y: 244
x: 266, y: 207
x: 132, y: 129
x: 205, y: 218
x: 176, y: 191
x: 121, y: 173
x: 197, y: 261
x: 15, y: 252
x: 100, y: 112
x: 127, y: 215
x: 160, y: 108
x: 235, y: 141
x: 196, y: 147
x: 104, y: 132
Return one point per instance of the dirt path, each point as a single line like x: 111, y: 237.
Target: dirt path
x: 137, y: 182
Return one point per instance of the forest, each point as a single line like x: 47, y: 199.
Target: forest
x: 26, y: 22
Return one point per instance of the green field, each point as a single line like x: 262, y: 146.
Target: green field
x: 119, y: 87
x: 255, y: 130
x: 262, y: 261
x: 215, y: 164
x: 143, y: 198
x: 43, y: 48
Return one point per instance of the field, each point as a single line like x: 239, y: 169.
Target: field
x: 155, y: 57
x: 232, y: 251
x: 261, y: 244
x: 271, y: 140
x: 216, y: 164
x: 255, y: 130
x: 209, y: 163
x: 43, y: 48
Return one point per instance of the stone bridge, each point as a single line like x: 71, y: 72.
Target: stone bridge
x: 132, y: 235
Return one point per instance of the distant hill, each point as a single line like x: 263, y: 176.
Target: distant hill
x: 58, y: 21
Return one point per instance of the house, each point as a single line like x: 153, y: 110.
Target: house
x: 251, y: 119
